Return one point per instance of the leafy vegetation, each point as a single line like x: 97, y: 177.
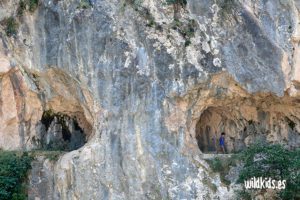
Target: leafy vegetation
x: 263, y: 160
x: 54, y: 155
x: 216, y: 164
x: 177, y: 4
x: 210, y: 184
x: 51, y: 155
x: 31, y: 5
x: 11, y: 26
x: 144, y: 12
x: 276, y: 162
x: 11, y: 22
x: 136, y: 4
x: 21, y: 8
x: 13, y: 173
x: 151, y: 22
x: 14, y: 168
x: 243, y: 194
x: 85, y: 4
x: 222, y: 166
x: 187, y: 43
x: 187, y: 30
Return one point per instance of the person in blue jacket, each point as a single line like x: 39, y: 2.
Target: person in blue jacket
x: 222, y: 142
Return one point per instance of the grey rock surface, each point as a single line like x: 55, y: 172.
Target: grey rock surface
x: 137, y: 82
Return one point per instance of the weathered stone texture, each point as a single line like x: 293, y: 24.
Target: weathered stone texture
x: 137, y: 82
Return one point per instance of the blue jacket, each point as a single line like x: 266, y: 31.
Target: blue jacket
x: 222, y: 141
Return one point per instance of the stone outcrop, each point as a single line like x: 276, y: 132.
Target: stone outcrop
x: 143, y: 87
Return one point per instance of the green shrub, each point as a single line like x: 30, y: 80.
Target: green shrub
x: 136, y: 4
x: 242, y: 195
x: 210, y: 184
x: 85, y: 4
x: 33, y: 4
x: 216, y: 165
x: 12, y: 26
x: 13, y: 173
x: 276, y: 162
x: 54, y: 155
x: 151, y: 23
x: 187, y: 43
x: 21, y: 8
x: 24, y: 4
x: 187, y: 30
x: 222, y: 166
x: 51, y: 155
x: 178, y: 2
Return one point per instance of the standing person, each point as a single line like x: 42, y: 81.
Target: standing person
x: 222, y: 142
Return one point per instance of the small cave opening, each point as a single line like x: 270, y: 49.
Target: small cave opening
x: 59, y: 132
x: 246, y: 125
x: 211, y: 124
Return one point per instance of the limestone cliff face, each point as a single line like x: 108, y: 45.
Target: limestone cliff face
x: 149, y: 92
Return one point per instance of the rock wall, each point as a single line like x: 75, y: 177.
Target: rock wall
x: 137, y: 81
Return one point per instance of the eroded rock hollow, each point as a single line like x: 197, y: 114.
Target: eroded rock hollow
x: 138, y: 89
x: 249, y: 120
x: 59, y: 132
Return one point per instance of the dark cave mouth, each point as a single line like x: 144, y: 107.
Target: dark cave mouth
x: 60, y: 132
x: 271, y: 127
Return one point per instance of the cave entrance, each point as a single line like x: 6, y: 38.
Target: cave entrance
x: 60, y: 132
x: 213, y: 121
x: 247, y: 125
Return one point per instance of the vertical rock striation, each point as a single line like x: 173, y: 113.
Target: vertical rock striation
x: 137, y: 82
